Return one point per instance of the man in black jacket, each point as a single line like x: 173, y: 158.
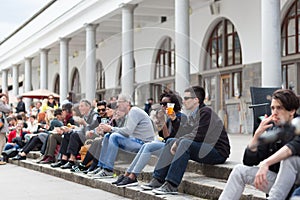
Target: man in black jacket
x: 283, y: 106
x: 205, y: 141
x: 21, y: 105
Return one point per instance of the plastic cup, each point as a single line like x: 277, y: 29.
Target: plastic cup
x: 170, y: 108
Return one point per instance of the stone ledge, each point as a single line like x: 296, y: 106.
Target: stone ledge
x: 193, y: 186
x: 104, y: 184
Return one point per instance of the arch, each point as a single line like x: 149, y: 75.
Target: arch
x: 290, y: 51
x: 75, y: 83
x: 163, y: 73
x: 100, y: 76
x: 56, y: 84
x: 222, y: 63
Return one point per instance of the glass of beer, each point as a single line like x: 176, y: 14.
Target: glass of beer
x: 170, y: 108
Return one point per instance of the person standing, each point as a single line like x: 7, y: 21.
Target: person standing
x: 21, y: 105
x: 4, y: 108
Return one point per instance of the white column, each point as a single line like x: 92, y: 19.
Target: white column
x: 44, y: 68
x: 15, y: 76
x: 64, y: 68
x: 28, y: 77
x: 182, y: 45
x: 127, y: 49
x: 5, y: 81
x: 271, y: 56
x: 90, y: 72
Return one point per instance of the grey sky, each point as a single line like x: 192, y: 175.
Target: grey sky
x: 13, y: 13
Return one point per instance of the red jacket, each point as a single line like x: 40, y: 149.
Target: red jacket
x: 13, y: 135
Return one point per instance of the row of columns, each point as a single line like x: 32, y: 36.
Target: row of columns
x: 127, y: 80
x: 271, y: 65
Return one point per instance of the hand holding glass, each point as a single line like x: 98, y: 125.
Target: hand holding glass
x: 170, y: 108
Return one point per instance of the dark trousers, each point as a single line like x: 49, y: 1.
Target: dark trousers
x: 34, y: 142
x: 76, y: 141
x: 172, y: 167
x: 93, y: 153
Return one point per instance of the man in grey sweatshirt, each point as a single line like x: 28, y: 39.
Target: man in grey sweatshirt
x: 138, y: 129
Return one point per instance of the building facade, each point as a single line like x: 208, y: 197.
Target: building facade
x: 99, y: 48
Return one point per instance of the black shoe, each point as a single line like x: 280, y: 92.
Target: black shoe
x: 68, y: 165
x: 126, y: 182
x: 120, y: 178
x: 19, y: 157
x: 58, y: 164
x: 82, y: 167
x: 88, y: 170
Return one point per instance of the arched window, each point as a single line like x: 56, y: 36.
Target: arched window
x: 100, y: 76
x: 290, y: 31
x: 165, y: 59
x: 56, y: 84
x: 223, y: 51
x: 164, y: 72
x: 75, y: 84
x: 223, y: 46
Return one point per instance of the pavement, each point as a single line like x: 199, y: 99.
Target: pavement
x: 21, y: 183
x: 238, y: 144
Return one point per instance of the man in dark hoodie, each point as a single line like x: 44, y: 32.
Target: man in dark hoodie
x: 205, y: 141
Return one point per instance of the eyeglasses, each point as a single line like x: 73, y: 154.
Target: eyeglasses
x: 187, y: 98
x: 50, y: 98
x: 163, y: 103
x: 102, y: 110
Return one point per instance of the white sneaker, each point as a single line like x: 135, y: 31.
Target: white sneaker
x: 103, y: 174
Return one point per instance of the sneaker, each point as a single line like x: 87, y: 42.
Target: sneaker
x: 120, y: 178
x: 103, y: 174
x: 95, y: 171
x: 75, y: 169
x: 166, y: 188
x: 126, y: 182
x: 154, y: 183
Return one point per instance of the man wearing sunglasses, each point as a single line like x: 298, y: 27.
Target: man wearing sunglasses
x: 205, y: 141
x: 101, y: 108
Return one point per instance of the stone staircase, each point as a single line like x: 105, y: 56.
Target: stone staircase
x: 200, y: 181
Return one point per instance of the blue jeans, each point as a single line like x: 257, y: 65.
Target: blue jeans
x: 172, y: 167
x: 10, y: 146
x: 296, y: 192
x: 144, y: 155
x: 110, y: 146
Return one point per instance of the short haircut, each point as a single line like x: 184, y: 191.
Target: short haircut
x: 124, y: 97
x: 288, y: 98
x: 86, y: 102
x: 101, y: 103
x: 198, y: 92
x: 112, y: 105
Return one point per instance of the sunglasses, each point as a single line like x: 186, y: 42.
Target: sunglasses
x: 102, y: 110
x: 163, y: 103
x: 187, y: 98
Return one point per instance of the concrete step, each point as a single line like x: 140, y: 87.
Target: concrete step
x: 104, y: 184
x: 193, y: 186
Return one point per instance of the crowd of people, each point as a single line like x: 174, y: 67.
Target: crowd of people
x: 85, y: 137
